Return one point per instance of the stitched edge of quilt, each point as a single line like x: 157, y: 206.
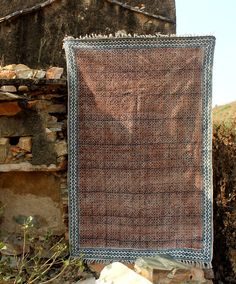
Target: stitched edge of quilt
x: 201, y: 257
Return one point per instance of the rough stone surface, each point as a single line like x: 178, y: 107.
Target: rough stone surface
x: 39, y: 74
x: 164, y: 269
x: 193, y: 275
x: 24, y: 74
x: 4, y: 141
x: 5, y: 96
x: 61, y: 148
x: 28, y: 167
x: 54, y: 73
x: 25, y: 143
x: 7, y: 74
x: 19, y: 67
x: 51, y: 135
x: 23, y: 88
x: 9, y: 67
x: 9, y: 88
x: 56, y: 108
x: 28, y: 123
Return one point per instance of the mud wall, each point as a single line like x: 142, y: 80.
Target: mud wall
x: 34, y: 36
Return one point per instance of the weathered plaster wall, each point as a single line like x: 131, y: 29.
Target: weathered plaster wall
x: 34, y: 194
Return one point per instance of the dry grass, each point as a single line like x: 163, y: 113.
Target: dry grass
x: 225, y: 114
x: 224, y: 177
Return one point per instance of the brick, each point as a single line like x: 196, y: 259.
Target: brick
x: 25, y: 143
x: 9, y: 108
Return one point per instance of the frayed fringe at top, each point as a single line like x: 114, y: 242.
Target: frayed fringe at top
x: 121, y: 34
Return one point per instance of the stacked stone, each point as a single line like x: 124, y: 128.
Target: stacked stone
x: 33, y: 143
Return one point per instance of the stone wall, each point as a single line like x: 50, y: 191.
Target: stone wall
x: 33, y: 153
x: 33, y: 112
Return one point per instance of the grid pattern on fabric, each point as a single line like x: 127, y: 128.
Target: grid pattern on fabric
x: 141, y: 118
x: 140, y: 147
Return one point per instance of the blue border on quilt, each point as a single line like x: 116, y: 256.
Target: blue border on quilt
x: 204, y: 256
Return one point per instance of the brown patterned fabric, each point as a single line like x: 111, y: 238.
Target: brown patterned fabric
x: 140, y: 147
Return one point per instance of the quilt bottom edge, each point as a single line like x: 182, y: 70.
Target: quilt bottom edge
x: 108, y: 259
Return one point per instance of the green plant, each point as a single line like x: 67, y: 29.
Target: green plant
x: 41, y: 260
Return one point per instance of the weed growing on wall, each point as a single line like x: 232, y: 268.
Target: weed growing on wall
x: 36, y: 260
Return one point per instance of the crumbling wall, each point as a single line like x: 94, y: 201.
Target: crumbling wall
x: 33, y: 153
x: 33, y: 142
x: 34, y: 37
